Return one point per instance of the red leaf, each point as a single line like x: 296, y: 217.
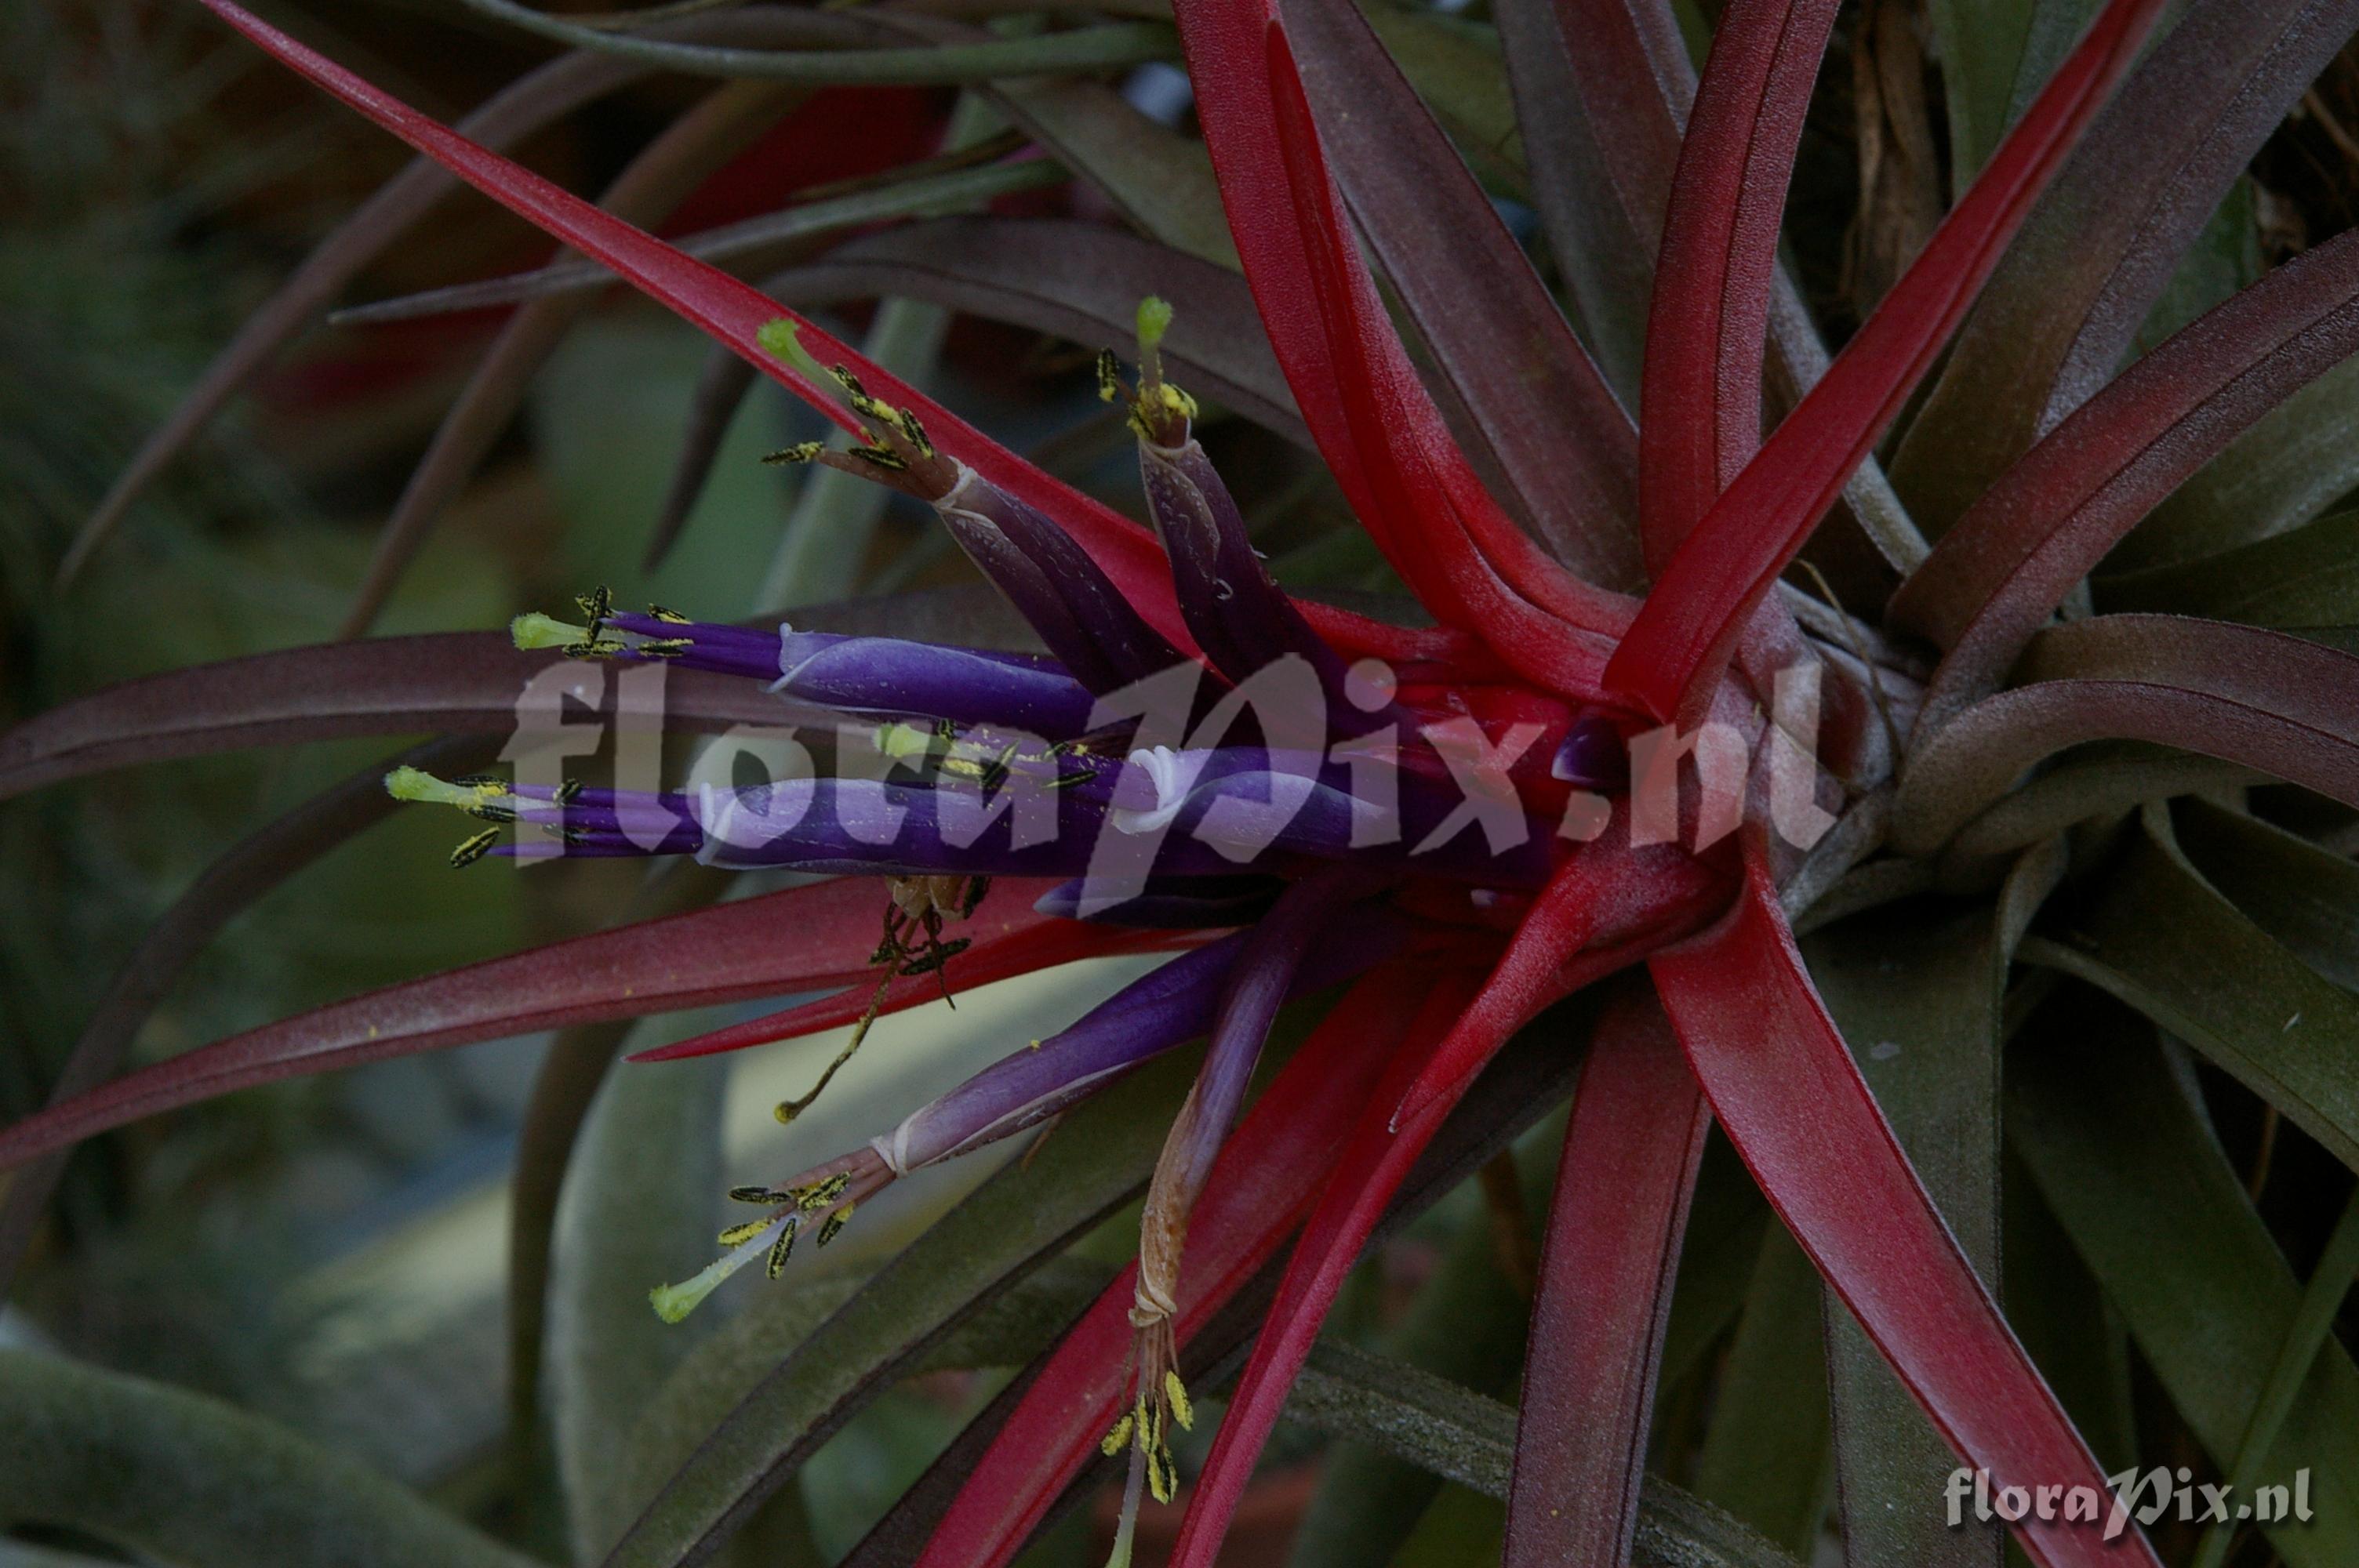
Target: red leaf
x: 1373, y: 1164
x: 733, y: 312
x: 2266, y: 699
x: 1558, y: 438
x: 1604, y: 908
x: 1621, y: 1206
x: 1700, y: 415
x: 1784, y: 1085
x: 1994, y: 578
x: 1267, y: 1172
x: 1411, y: 487
x: 808, y: 936
x: 1023, y: 949
x: 1681, y: 638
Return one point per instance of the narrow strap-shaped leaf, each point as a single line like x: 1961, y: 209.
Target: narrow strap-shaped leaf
x: 2066, y: 304
x: 1081, y: 281
x: 795, y: 940
x: 735, y: 313
x: 1614, y: 1227
x: 2308, y: 577
x: 244, y: 872
x: 1782, y: 1082
x: 1919, y: 998
x: 1767, y: 1452
x: 1557, y: 435
x: 2279, y: 703
x: 1371, y: 1163
x: 2284, y: 472
x: 1460, y: 1433
x: 2301, y: 893
x: 452, y: 682
x: 515, y: 111
x: 443, y: 683
x: 1352, y: 379
x: 2322, y: 1302
x: 1606, y: 273
x: 2168, y: 942
x: 1079, y: 49
x: 1684, y: 632
x: 1701, y: 418
x: 1996, y: 577
x: 2126, y: 1159
x: 187, y: 1478
x: 691, y: 148
x: 1044, y: 947
x: 1266, y: 1172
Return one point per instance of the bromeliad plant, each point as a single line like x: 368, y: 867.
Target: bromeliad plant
x: 1598, y: 587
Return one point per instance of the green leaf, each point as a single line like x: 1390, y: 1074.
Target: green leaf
x: 2308, y: 577
x: 190, y: 1480
x: 1989, y: 49
x: 2287, y: 470
x: 2171, y: 946
x: 640, y: 1204
x: 1466, y: 1325
x: 2306, y: 897
x: 1766, y: 1455
x: 1158, y: 179
x: 1100, y: 1153
x: 2126, y: 1160
x: 1918, y: 996
x: 2322, y: 1301
x: 1465, y: 1437
x: 1455, y: 67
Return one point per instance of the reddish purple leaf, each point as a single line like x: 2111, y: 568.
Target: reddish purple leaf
x: 797, y: 940
x: 1682, y: 639
x: 1352, y: 379
x: 1701, y: 419
x: 1556, y: 435
x: 2066, y: 303
x: 2265, y: 699
x: 1784, y: 1086
x: 1623, y: 1185
x: 1995, y: 577
x: 452, y: 682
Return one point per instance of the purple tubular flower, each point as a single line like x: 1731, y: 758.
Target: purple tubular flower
x: 887, y: 676
x: 1235, y: 610
x: 1088, y: 626
x: 1255, y: 804
x: 1593, y: 754
x: 1165, y: 1009
x: 1173, y: 904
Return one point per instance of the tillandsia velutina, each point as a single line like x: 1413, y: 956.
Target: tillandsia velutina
x: 1627, y: 747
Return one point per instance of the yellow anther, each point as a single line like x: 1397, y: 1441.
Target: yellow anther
x: 472, y: 849
x: 800, y: 452
x: 833, y: 1223
x: 1175, y: 1392
x: 1112, y: 1443
x: 738, y: 1235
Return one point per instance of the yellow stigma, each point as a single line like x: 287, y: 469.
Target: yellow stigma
x: 783, y: 338
x: 416, y: 785
x: 533, y: 630
x: 1153, y: 321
